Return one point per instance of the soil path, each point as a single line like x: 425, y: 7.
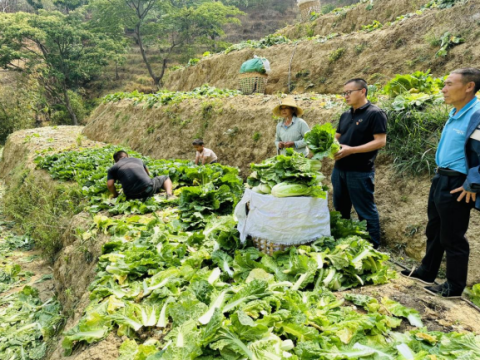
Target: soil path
x: 437, y: 313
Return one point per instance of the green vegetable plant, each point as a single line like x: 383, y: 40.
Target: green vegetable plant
x: 336, y: 54
x: 375, y: 25
x: 289, y: 175
x: 321, y: 141
x: 28, y: 324
x: 474, y: 294
x: 165, y: 97
x: 268, y: 41
x: 193, y: 62
x: 448, y: 41
x: 89, y: 169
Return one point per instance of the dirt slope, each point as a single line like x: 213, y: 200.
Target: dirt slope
x: 376, y: 56
x: 353, y: 19
x: 229, y: 126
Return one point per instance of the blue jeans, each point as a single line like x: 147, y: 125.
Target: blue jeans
x: 357, y: 189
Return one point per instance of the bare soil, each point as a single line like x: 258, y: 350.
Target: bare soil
x: 438, y: 314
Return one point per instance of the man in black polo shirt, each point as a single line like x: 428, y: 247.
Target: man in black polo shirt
x: 135, y: 178
x: 361, y: 132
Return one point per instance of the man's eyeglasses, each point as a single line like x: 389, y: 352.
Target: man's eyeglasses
x: 349, y: 92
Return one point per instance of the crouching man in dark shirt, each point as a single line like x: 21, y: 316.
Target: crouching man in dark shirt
x: 135, y: 178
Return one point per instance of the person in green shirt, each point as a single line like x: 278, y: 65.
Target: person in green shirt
x: 291, y: 130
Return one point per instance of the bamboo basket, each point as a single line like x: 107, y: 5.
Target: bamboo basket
x: 253, y: 82
x: 268, y: 247
x: 307, y: 8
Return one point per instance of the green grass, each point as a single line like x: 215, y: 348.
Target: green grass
x: 413, y: 136
x: 336, y: 54
x: 42, y: 208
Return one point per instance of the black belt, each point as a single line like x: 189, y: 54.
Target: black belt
x: 448, y: 172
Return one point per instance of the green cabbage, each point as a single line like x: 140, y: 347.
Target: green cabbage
x: 290, y: 190
x: 321, y: 141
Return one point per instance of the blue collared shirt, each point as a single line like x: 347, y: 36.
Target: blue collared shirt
x: 451, y: 148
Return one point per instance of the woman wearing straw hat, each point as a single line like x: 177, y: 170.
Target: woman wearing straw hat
x: 291, y: 130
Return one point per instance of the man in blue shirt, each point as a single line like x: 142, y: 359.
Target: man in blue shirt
x: 454, y: 188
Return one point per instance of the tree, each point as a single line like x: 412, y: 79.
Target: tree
x: 19, y: 96
x: 165, y: 25
x: 71, y: 54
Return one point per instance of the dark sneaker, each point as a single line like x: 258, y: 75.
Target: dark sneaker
x: 414, y: 275
x: 444, y: 290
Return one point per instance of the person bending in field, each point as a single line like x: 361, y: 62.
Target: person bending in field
x: 135, y: 178
x: 203, y: 155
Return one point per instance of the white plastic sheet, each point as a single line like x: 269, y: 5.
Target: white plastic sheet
x: 266, y: 64
x: 285, y: 221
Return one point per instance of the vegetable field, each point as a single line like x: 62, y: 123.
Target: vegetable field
x: 175, y: 282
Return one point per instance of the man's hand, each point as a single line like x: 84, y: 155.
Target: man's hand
x: 344, y: 151
x: 281, y: 145
x: 289, y: 144
x: 465, y: 194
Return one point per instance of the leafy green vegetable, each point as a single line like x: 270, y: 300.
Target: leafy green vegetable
x: 321, y: 141
x: 208, y: 189
x: 288, y: 170
x: 165, y: 97
x: 27, y: 324
x: 474, y: 294
x: 285, y: 190
x: 181, y: 279
x: 418, y: 82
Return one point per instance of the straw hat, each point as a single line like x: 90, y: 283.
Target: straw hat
x: 288, y: 101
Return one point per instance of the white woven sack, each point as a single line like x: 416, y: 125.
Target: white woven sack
x: 285, y: 221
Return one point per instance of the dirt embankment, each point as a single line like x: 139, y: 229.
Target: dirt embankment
x: 75, y: 263
x: 230, y: 126
x: 376, y: 56
x: 353, y: 19
x: 240, y: 129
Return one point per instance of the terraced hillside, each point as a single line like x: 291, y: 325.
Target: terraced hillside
x: 322, y: 64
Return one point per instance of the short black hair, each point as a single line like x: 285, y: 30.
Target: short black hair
x: 361, y: 83
x: 118, y: 155
x: 197, y: 142
x: 469, y: 75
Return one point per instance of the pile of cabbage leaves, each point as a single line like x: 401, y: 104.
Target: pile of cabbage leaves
x: 287, y: 176
x: 176, y: 291
x: 203, y: 295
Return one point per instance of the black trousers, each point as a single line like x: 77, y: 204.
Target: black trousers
x: 448, y: 222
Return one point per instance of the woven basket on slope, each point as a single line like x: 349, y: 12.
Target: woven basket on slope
x: 253, y: 82
x: 307, y: 8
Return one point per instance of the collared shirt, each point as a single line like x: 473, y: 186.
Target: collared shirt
x: 358, y: 128
x: 293, y: 132
x: 451, y: 148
